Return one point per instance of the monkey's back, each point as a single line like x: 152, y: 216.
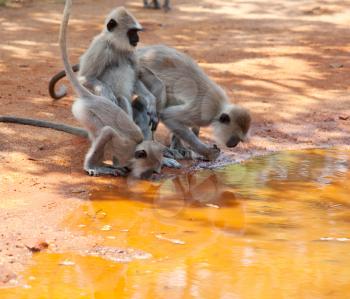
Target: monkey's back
x: 184, y: 80
x: 106, y: 113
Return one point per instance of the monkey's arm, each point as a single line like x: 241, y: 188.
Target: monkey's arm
x: 44, y: 124
x: 152, y: 89
x: 177, y: 119
x: 93, y: 163
x: 63, y: 89
x: 141, y: 118
x: 151, y: 102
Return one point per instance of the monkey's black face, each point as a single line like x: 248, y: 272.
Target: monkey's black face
x: 133, y: 37
x: 233, y: 141
x: 147, y: 174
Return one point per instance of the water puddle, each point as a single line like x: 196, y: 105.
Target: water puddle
x: 275, y: 227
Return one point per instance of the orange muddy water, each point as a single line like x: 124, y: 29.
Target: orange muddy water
x: 274, y: 227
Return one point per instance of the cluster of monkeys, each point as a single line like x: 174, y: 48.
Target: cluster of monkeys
x: 123, y: 93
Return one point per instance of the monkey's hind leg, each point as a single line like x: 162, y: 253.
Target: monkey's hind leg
x: 93, y: 163
x: 156, y: 4
x: 166, y: 5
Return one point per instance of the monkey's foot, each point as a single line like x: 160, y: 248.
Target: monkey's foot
x: 171, y: 163
x: 97, y: 171
x: 182, y: 153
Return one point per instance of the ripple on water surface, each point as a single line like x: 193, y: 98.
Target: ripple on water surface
x: 274, y: 227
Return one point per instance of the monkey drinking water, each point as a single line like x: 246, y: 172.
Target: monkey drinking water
x: 192, y: 100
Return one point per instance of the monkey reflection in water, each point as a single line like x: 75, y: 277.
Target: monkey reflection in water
x: 200, y: 197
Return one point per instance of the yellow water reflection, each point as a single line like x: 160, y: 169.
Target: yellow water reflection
x: 274, y: 227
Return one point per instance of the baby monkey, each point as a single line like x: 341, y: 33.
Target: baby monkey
x: 108, y: 67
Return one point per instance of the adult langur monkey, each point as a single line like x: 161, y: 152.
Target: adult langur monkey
x: 192, y: 100
x: 155, y: 4
x: 187, y: 97
x: 109, y: 66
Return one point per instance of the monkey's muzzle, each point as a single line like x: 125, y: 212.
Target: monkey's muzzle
x: 233, y: 141
x: 133, y: 36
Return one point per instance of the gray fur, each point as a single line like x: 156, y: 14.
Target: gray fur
x: 109, y: 66
x: 192, y: 99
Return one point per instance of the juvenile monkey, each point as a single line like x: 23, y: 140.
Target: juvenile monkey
x: 192, y: 100
x: 138, y: 166
x: 110, y: 129
x: 155, y: 4
x: 109, y: 68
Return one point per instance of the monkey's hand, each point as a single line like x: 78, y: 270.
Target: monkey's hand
x: 212, y: 153
x: 153, y: 118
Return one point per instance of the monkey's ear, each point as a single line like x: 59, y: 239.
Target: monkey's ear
x: 224, y: 118
x: 111, y: 25
x: 141, y: 154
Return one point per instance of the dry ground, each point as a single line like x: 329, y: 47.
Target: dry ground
x: 287, y: 61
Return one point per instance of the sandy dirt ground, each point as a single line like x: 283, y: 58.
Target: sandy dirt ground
x: 287, y: 61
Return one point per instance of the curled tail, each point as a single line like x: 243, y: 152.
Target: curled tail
x: 78, y: 88
x: 62, y: 92
x: 44, y: 124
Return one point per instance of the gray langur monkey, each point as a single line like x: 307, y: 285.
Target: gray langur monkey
x: 109, y: 67
x: 137, y: 168
x: 190, y: 99
x: 110, y: 129
x: 156, y: 5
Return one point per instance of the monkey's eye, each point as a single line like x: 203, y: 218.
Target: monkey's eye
x: 224, y: 118
x: 141, y: 154
x: 111, y: 25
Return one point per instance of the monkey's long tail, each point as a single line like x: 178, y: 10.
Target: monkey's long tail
x: 78, y: 88
x: 44, y: 124
x: 62, y: 92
